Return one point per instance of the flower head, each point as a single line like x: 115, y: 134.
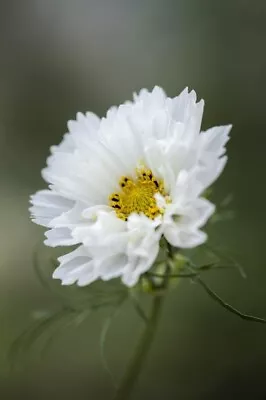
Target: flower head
x: 117, y: 185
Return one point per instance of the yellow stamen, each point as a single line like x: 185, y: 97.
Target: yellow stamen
x: 137, y: 195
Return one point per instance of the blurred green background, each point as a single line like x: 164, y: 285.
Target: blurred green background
x: 59, y: 57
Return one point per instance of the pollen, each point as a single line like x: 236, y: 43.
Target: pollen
x: 137, y: 195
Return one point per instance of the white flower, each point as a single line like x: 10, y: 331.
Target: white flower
x: 120, y: 183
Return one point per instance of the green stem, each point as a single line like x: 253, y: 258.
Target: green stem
x: 137, y: 361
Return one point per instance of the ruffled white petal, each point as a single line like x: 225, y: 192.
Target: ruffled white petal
x: 185, y: 109
x: 59, y: 237
x: 213, y: 141
x: 104, y: 235
x: 76, y: 266
x: 182, y: 237
x: 211, y: 153
x: 113, y: 266
x: 47, y: 205
x: 182, y: 222
x: 143, y: 247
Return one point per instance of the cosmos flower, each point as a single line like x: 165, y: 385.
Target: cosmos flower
x: 119, y: 184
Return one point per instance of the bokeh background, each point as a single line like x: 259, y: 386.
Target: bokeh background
x: 59, y: 57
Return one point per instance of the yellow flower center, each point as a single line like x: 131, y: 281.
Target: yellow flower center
x: 138, y: 195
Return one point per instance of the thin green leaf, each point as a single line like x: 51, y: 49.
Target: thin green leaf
x: 20, y: 347
x: 227, y: 258
x: 178, y: 275
x: 217, y: 265
x: 226, y: 305
x: 103, y: 339
x: 227, y: 200
x: 225, y: 215
x: 139, y: 310
x: 66, y: 321
x: 46, y: 280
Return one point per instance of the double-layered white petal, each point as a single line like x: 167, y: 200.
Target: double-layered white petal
x: 160, y: 133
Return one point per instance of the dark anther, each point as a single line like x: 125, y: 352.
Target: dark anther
x: 123, y: 184
x: 156, y: 184
x: 117, y: 206
x: 126, y: 179
x: 150, y: 176
x: 115, y: 199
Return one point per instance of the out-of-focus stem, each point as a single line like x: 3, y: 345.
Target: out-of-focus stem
x: 142, y: 349
x: 136, y: 363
